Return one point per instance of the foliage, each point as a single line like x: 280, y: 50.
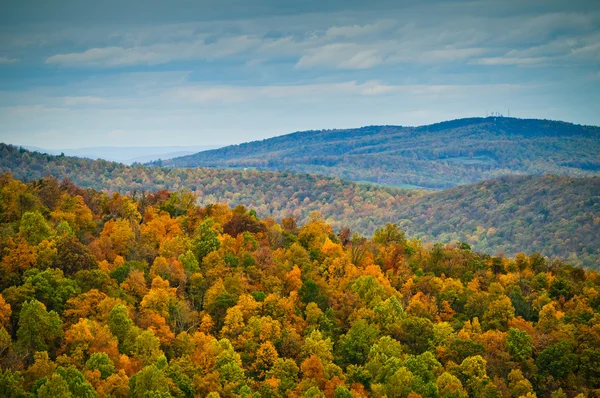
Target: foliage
x: 551, y: 215
x: 314, y: 314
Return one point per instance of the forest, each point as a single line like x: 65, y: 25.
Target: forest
x: 441, y: 155
x: 108, y: 295
x: 556, y: 216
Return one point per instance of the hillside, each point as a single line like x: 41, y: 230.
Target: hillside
x: 436, y: 156
x: 113, y: 296
x: 556, y: 216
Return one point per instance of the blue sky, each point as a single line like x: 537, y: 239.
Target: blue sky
x: 78, y: 73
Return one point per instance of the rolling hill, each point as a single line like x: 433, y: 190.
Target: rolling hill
x: 440, y: 155
x: 554, y: 215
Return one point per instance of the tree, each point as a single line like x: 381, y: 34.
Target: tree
x: 38, y: 328
x: 34, y: 228
x: 286, y: 371
x: 473, y: 371
x: 11, y: 384
x: 119, y: 322
x: 266, y: 356
x: 316, y: 344
x: 557, y: 361
x: 151, y: 381
x: 73, y: 256
x: 416, y: 333
x: 449, y: 386
x: 206, y: 239
x: 78, y: 385
x: 42, y: 368
x: 355, y: 345
x: 400, y: 384
x: 369, y: 290
x: 147, y: 347
x: 51, y: 287
x: 518, y: 385
x: 498, y: 314
x: 342, y: 392
x: 391, y: 233
x: 590, y: 366
x: 55, y: 387
x: 101, y: 362
x: 5, y: 312
x: 518, y: 344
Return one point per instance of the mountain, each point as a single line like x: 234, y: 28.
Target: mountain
x: 127, y: 155
x: 436, y: 156
x: 554, y: 215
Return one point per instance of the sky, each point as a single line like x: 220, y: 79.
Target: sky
x: 79, y: 73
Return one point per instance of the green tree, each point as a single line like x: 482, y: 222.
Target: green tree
x: 286, y: 371
x: 51, y: 287
x: 119, y: 322
x: 391, y: 233
x: 34, y: 228
x: 147, y: 347
x: 78, y: 385
x: 55, y: 387
x: 518, y: 344
x: 449, y: 386
x: 38, y: 328
x: 100, y: 361
x: 11, y: 384
x: 354, y: 346
x: 590, y: 366
x: 498, y: 314
x: 400, y: 384
x: 206, y: 239
x: 558, y: 360
x: 369, y: 290
x: 151, y: 381
x: 416, y: 333
x: 342, y: 392
x: 189, y: 262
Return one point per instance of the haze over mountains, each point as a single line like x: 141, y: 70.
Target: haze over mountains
x: 127, y: 155
x: 440, y: 155
x: 556, y: 216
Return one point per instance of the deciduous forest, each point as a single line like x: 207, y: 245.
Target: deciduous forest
x: 106, y: 295
x: 554, y: 215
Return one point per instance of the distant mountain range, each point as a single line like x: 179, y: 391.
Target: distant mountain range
x: 440, y: 155
x: 553, y: 215
x: 127, y: 155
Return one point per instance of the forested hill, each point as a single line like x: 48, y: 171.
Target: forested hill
x: 556, y: 216
x: 436, y: 156
x: 109, y: 296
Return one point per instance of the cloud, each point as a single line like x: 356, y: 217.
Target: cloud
x: 582, y: 50
x: 352, y: 31
x: 156, y: 54
x: 503, y: 61
x: 87, y: 100
x: 372, y: 88
x: 341, y: 55
x: 6, y: 60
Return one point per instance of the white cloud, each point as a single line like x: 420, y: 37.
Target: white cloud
x: 352, y: 31
x: 503, y: 61
x: 6, y: 60
x: 86, y: 100
x: 156, y: 54
x: 229, y: 94
x: 343, y: 56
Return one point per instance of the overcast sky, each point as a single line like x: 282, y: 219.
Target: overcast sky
x: 78, y: 73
